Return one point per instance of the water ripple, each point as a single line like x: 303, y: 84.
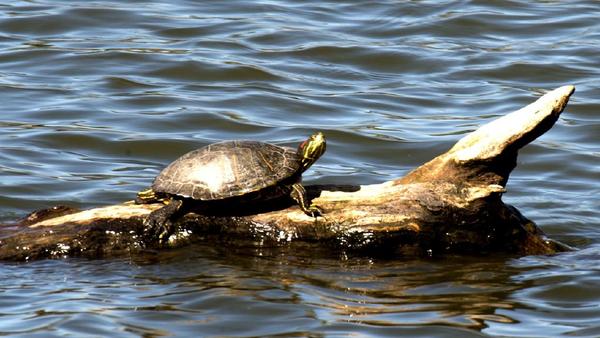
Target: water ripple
x: 99, y: 96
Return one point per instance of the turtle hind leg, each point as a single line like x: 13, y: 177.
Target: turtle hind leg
x: 158, y: 225
x: 298, y: 193
x: 146, y: 197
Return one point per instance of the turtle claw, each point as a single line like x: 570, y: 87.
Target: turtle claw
x: 298, y: 193
x: 158, y: 225
x: 314, y: 211
x: 157, y: 229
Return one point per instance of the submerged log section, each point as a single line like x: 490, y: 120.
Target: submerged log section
x: 451, y: 204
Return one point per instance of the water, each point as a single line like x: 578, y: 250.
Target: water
x: 98, y: 96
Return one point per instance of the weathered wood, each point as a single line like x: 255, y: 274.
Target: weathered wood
x: 450, y: 204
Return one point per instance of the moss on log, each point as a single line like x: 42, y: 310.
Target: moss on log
x: 452, y: 204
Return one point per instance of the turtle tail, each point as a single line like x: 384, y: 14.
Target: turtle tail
x: 147, y: 196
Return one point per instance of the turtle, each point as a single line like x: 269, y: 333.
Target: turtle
x: 228, y: 174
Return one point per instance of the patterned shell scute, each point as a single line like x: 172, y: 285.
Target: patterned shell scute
x: 227, y: 169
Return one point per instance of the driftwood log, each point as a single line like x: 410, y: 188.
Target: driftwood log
x: 451, y: 204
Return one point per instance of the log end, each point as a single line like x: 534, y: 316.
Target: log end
x: 489, y: 154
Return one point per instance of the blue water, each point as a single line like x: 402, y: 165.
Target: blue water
x: 98, y: 96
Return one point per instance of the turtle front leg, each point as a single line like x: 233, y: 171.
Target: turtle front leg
x: 158, y: 224
x: 298, y: 193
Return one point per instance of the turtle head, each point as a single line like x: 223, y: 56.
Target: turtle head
x: 311, y: 149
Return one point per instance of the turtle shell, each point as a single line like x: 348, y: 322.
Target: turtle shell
x: 228, y: 169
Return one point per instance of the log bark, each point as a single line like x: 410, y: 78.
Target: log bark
x: 452, y: 204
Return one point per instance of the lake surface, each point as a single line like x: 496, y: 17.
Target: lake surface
x: 98, y: 96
